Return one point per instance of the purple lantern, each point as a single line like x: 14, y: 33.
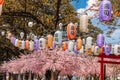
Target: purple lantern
x: 75, y: 49
x: 100, y: 40
x: 53, y: 46
x: 13, y: 41
x: 105, y: 12
x: 107, y: 50
x: 36, y: 44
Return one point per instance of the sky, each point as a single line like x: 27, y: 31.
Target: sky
x: 82, y: 5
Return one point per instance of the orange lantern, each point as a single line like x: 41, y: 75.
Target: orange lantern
x: 79, y: 44
x: 64, y: 45
x: 27, y: 44
x: 50, y: 39
x: 1, y: 2
x: 89, y: 51
x: 19, y: 44
x: 101, y: 51
x: 71, y: 31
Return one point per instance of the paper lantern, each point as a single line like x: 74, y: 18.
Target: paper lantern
x: 79, y: 44
x: 22, y: 44
x: 71, y: 31
x: 19, y: 44
x: 64, y: 45
x: 82, y: 49
x: 89, y: 51
x: 1, y: 3
x: 117, y: 49
x: 3, y: 33
x: 96, y: 51
x: 50, y: 39
x: 84, y: 19
x: 36, y: 44
x: 107, y: 50
x: 58, y: 37
x: 54, y: 45
x: 30, y: 24
x: 9, y: 35
x: 75, y: 49
x: 105, y: 11
x: 112, y: 49
x: 13, y: 39
x: 16, y: 42
x: 70, y: 45
x: 27, y: 44
x: 89, y: 42
x: 22, y: 35
x: 42, y: 43
x: 31, y: 45
x: 100, y: 40
x: 101, y: 50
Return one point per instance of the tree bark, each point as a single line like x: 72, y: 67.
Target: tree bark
x: 69, y: 77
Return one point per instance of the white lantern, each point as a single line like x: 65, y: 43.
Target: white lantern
x: 31, y: 45
x: 3, y: 33
x: 117, y: 49
x: 96, y: 51
x: 112, y: 49
x: 42, y: 42
x: 30, y: 24
x: 22, y: 44
x: 16, y: 42
x: 82, y: 49
x: 84, y: 19
x: 22, y: 35
x: 70, y: 46
x: 83, y: 41
x: 89, y: 42
x: 60, y: 26
x: 58, y: 37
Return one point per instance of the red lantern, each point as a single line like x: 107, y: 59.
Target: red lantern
x: 64, y: 46
x: 1, y: 2
x: 71, y: 31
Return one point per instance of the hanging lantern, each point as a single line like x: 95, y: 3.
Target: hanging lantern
x: 112, y: 49
x: 27, y: 44
x: 60, y: 26
x: 50, y: 39
x: 70, y: 46
x: 36, y: 44
x: 3, y: 33
x: 64, y: 45
x: 54, y: 45
x: 89, y: 42
x: 22, y: 44
x: 105, y: 11
x: 19, y: 44
x: 96, y: 51
x: 9, y: 35
x: 79, y: 44
x: 71, y: 31
x: 101, y: 50
x: 31, y: 45
x: 75, y: 49
x: 89, y: 51
x: 1, y: 3
x: 42, y: 42
x: 58, y: 37
x: 16, y: 42
x: 30, y: 24
x: 82, y: 49
x: 107, y: 50
x: 100, y: 40
x: 117, y: 49
x: 13, y: 39
x: 22, y: 35
x: 84, y: 19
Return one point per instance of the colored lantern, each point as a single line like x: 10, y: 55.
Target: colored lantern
x: 96, y: 51
x: 84, y: 19
x: 9, y: 35
x: 89, y: 42
x: 79, y: 44
x: 117, y: 49
x: 36, y: 44
x: 58, y: 37
x: 22, y: 35
x: 105, y: 11
x: 89, y: 51
x: 27, y: 44
x: 75, y: 49
x: 31, y: 45
x: 100, y: 40
x: 107, y: 50
x: 22, y: 44
x: 54, y: 45
x: 71, y: 31
x: 70, y: 46
x: 13, y: 40
x: 64, y: 45
x: 50, y: 39
x: 16, y: 42
x: 112, y: 49
x: 19, y: 44
x: 82, y: 49
x: 1, y: 3
x: 42, y: 43
x: 101, y: 50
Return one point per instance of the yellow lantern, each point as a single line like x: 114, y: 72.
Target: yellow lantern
x: 79, y: 43
x: 89, y: 51
x: 50, y: 39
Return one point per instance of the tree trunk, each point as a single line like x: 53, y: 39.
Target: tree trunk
x: 48, y: 75
x: 69, y: 77
x: 54, y: 75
